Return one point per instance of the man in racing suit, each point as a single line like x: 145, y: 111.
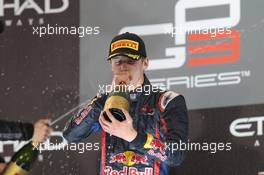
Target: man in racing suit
x: 146, y: 142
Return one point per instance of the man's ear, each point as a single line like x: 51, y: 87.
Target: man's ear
x: 145, y: 63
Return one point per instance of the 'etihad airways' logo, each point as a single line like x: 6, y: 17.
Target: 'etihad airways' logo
x: 18, y: 7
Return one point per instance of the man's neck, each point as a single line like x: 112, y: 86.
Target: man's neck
x: 138, y: 84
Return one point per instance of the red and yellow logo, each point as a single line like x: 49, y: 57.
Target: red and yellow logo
x: 124, y: 44
x: 129, y: 158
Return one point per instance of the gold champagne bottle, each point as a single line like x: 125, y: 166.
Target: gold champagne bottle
x: 22, y: 161
x: 117, y: 100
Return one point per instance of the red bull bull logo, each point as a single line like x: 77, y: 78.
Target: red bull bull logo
x: 119, y: 158
x: 128, y: 171
x: 129, y: 158
x: 158, y: 145
x: 139, y: 159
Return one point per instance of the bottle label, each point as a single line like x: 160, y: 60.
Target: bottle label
x: 13, y: 169
x: 117, y: 102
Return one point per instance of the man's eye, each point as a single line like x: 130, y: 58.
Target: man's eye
x: 131, y: 62
x: 118, y: 62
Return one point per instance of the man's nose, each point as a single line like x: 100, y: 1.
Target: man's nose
x: 123, y: 66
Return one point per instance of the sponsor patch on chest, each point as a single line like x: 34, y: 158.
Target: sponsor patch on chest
x: 82, y: 114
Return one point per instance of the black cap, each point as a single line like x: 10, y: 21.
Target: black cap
x: 127, y: 44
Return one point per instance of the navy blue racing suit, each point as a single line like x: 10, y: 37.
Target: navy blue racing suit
x: 161, y: 120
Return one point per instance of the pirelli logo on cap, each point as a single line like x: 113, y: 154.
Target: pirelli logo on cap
x: 124, y: 44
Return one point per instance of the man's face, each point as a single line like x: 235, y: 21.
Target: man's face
x: 123, y: 66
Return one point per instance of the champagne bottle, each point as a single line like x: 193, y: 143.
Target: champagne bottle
x: 117, y: 100
x: 22, y: 161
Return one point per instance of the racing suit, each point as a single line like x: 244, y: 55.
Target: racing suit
x: 160, y: 118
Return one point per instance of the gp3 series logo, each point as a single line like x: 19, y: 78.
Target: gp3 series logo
x: 176, y: 57
x: 191, y: 46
